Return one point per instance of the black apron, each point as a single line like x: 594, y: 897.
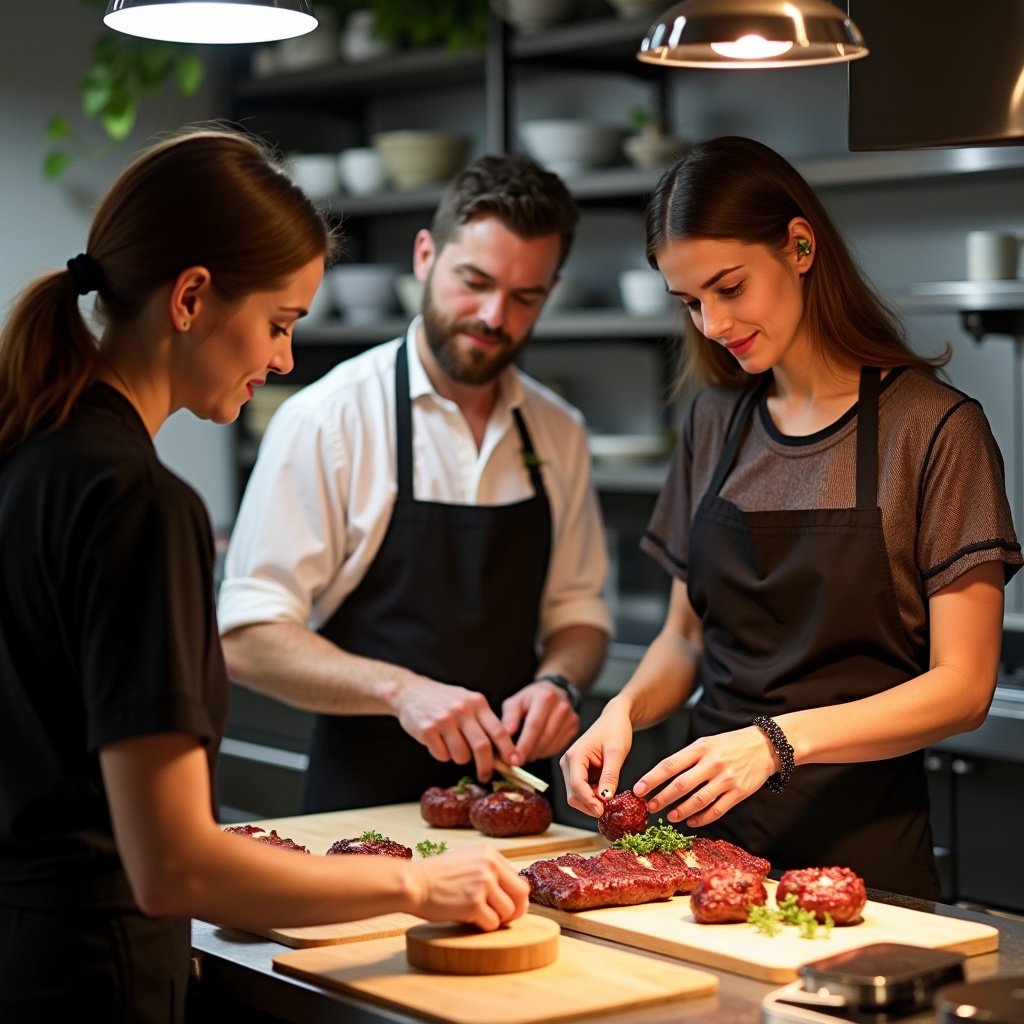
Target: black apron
x: 453, y: 594
x: 799, y: 611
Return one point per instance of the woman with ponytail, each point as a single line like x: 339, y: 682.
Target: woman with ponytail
x: 113, y: 693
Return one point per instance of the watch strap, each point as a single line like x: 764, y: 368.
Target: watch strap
x: 574, y: 695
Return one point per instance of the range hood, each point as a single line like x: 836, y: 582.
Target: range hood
x: 940, y: 73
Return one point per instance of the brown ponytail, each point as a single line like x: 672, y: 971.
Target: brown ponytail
x: 48, y: 357
x: 211, y: 198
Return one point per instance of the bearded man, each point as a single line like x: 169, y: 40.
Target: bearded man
x: 419, y: 556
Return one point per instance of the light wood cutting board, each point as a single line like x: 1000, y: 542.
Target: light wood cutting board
x: 585, y: 979
x: 668, y: 927
x: 404, y: 824
x: 385, y: 924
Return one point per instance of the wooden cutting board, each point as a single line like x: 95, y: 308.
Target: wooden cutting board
x: 669, y: 928
x: 585, y: 979
x: 385, y: 924
x: 404, y: 824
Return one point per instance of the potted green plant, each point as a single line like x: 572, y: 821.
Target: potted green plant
x: 454, y: 24
x: 649, y: 146
x: 123, y: 71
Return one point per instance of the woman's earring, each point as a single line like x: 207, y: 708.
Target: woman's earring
x: 184, y: 323
x: 803, y: 247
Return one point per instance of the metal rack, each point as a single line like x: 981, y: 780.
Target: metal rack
x: 986, y: 308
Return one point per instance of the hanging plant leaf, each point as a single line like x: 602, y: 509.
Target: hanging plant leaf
x: 153, y: 65
x: 57, y: 128
x: 55, y: 163
x: 191, y: 72
x: 97, y: 88
x: 122, y: 71
x: 120, y: 116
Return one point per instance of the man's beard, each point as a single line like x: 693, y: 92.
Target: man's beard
x: 475, y: 366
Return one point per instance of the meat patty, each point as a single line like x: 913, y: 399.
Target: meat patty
x: 271, y: 838
x: 510, y: 812
x: 624, y: 815
x: 448, y: 807
x: 371, y: 843
x: 835, y: 891
x: 723, y: 895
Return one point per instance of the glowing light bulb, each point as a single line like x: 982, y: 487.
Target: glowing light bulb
x: 751, y: 48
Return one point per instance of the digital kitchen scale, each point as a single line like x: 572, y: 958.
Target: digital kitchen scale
x: 876, y: 984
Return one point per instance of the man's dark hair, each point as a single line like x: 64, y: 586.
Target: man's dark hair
x: 527, y: 199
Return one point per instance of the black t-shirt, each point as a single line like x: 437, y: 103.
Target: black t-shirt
x: 107, y: 631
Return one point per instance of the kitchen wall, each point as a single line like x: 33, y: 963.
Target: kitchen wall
x: 43, y: 224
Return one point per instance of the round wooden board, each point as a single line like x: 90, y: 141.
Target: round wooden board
x: 525, y: 944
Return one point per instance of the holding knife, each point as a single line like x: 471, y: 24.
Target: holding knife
x: 421, y: 523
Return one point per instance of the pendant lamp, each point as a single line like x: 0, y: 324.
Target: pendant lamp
x: 752, y: 34
x: 211, y: 21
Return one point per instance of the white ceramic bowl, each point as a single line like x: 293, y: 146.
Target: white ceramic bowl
x: 652, y: 150
x: 363, y: 292
x: 315, y: 173
x: 569, y: 145
x: 531, y: 15
x: 361, y: 171
x: 410, y: 293
x: 643, y: 292
x: 637, y: 8
x: 416, y: 159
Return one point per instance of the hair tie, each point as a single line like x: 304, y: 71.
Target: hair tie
x: 87, y: 274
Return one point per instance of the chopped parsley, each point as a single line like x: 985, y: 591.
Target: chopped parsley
x: 371, y: 837
x: 427, y: 848
x: 660, y: 838
x: 770, y: 920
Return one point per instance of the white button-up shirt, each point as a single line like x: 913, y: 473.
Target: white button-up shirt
x: 321, y: 494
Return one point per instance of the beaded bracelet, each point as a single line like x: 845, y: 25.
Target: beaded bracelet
x: 777, y: 783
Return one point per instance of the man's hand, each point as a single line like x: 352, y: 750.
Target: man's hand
x: 455, y: 724
x: 544, y: 719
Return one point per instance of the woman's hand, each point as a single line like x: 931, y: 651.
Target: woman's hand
x: 709, y: 777
x: 476, y: 886
x: 591, y: 766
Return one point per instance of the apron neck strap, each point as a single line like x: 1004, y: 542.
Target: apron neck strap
x: 740, y: 420
x: 403, y: 432
x: 867, y: 435
x: 403, y: 422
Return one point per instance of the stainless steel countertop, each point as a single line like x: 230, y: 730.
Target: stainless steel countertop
x: 237, y: 966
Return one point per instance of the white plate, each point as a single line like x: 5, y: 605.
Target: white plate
x: 629, y: 447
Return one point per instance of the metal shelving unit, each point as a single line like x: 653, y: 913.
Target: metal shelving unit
x: 986, y: 308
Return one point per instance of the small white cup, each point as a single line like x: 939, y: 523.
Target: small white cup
x: 643, y: 292
x: 361, y: 171
x: 992, y: 256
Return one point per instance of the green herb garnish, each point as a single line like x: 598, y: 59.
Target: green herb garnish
x: 660, y: 838
x: 463, y: 784
x: 372, y: 837
x: 770, y: 920
x: 427, y: 848
x: 500, y: 785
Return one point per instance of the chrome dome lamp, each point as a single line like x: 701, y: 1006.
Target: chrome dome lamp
x: 752, y: 34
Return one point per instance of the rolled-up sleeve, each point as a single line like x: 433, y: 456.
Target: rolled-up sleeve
x: 289, y: 538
